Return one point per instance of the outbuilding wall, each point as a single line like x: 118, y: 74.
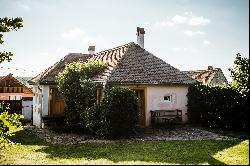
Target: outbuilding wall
x: 155, y: 100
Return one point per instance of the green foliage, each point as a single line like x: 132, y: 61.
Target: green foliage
x: 6, y: 25
x: 78, y: 90
x: 116, y: 117
x: 222, y: 107
x: 7, y: 123
x: 120, y: 114
x: 93, y: 118
x: 217, y: 107
x: 240, y: 74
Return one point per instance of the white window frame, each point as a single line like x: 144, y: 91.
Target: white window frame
x: 170, y: 98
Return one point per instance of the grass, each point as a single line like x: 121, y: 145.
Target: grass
x: 32, y: 150
x: 235, y: 134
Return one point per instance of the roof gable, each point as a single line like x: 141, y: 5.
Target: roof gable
x: 210, y: 76
x: 48, y: 76
x: 10, y: 81
x: 138, y: 66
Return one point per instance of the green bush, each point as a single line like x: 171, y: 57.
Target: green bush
x: 120, y: 114
x: 93, y: 118
x: 217, y: 107
x: 78, y: 90
x: 7, y: 123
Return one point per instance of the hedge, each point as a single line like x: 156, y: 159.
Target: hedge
x: 120, y: 113
x: 217, y: 107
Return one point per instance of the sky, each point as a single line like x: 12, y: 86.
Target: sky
x: 187, y: 34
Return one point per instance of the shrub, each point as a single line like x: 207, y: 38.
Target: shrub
x: 120, y: 114
x: 78, y: 90
x: 93, y: 118
x: 217, y: 107
x: 7, y: 123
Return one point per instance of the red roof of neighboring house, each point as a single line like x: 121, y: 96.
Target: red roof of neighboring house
x: 6, y: 96
x: 11, y: 87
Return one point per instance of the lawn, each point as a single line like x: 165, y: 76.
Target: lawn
x: 32, y: 150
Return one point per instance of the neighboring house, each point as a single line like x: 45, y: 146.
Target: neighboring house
x: 156, y: 83
x: 17, y: 95
x: 24, y: 81
x: 210, y: 76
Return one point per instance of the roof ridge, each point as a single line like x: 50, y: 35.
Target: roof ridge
x: 58, y: 62
x: 115, y: 48
x: 49, y: 69
x: 202, y: 70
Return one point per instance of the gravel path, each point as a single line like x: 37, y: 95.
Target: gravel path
x: 174, y: 133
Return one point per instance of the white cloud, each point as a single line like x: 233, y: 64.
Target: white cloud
x: 179, y: 19
x: 80, y: 35
x: 186, y: 19
x: 206, y: 42
x: 63, y: 51
x: 179, y: 49
x: 188, y: 13
x: 74, y: 34
x: 146, y: 24
x: 193, y: 33
x: 43, y: 54
x: 196, y: 21
x: 164, y: 23
x: 25, y: 7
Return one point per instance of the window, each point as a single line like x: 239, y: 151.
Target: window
x: 167, y: 98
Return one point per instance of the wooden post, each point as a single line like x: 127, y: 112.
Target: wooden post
x: 53, y: 100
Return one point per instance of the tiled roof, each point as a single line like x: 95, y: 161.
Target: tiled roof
x: 138, y: 66
x: 48, y: 76
x: 16, y: 80
x: 208, y: 76
x: 127, y: 64
x: 111, y: 57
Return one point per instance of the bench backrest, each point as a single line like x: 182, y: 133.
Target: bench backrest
x: 158, y: 113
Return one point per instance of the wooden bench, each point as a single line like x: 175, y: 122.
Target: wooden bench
x: 166, y: 116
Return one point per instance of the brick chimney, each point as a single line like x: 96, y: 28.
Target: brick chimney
x: 210, y: 67
x: 140, y: 36
x: 91, y: 50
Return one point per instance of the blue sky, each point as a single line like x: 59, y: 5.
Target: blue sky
x: 188, y: 34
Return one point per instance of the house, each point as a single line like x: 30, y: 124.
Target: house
x: 210, y: 76
x: 17, y: 95
x: 158, y: 84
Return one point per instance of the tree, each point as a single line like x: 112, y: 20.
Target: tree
x: 240, y: 74
x: 79, y: 91
x: 7, y: 25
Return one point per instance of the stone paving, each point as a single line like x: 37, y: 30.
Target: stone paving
x: 144, y: 134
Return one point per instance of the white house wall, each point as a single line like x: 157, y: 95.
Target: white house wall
x: 154, y: 96
x: 155, y: 100
x: 37, y: 106
x: 45, y: 100
x: 40, y: 103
